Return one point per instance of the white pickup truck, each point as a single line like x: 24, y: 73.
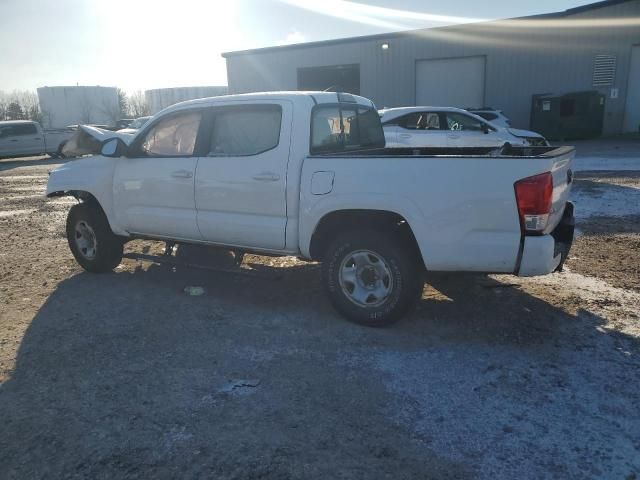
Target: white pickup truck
x: 21, y: 138
x: 306, y: 174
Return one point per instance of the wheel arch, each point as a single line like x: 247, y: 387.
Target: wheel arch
x: 86, y: 196
x: 338, y: 221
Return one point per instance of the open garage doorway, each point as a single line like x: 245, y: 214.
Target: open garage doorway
x: 451, y: 82
x: 337, y: 78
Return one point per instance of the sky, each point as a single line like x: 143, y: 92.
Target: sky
x: 143, y: 44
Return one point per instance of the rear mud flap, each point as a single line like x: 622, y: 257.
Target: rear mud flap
x: 563, y: 235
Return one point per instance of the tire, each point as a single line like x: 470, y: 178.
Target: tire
x: 371, y: 278
x: 59, y: 153
x: 93, y: 244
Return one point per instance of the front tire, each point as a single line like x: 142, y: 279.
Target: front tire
x: 371, y: 278
x: 93, y: 244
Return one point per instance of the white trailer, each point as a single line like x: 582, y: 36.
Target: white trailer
x: 63, y: 106
x: 160, y: 98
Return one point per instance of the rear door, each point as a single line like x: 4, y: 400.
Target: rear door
x: 154, y: 188
x: 421, y: 129
x: 241, y: 179
x: 466, y: 131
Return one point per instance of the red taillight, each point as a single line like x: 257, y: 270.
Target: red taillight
x: 533, y: 196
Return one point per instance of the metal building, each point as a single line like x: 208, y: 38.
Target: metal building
x: 160, y: 98
x: 501, y: 64
x: 63, y: 106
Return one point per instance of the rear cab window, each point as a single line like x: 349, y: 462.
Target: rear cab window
x: 345, y: 127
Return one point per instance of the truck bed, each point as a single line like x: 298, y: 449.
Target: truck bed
x: 459, y: 202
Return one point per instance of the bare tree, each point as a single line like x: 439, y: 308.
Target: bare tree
x: 86, y: 109
x: 20, y: 105
x: 123, y: 103
x: 138, y: 106
x: 111, y: 110
x: 15, y: 112
x: 4, y: 105
x: 30, y: 104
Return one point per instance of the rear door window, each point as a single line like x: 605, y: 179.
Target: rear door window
x: 421, y: 121
x: 245, y: 130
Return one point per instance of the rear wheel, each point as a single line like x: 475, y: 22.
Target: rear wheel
x: 93, y: 244
x: 371, y: 278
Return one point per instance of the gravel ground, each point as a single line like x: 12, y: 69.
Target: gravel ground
x: 492, y: 377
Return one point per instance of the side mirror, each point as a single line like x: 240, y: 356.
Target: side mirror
x: 114, y: 147
x: 485, y: 128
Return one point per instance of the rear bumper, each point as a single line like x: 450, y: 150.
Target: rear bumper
x: 547, y: 253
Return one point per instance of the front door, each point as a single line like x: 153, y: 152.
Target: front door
x: 154, y: 188
x: 241, y: 179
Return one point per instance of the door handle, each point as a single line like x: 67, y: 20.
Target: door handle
x: 14, y: 140
x: 267, y: 177
x: 453, y: 135
x: 404, y: 135
x: 182, y: 174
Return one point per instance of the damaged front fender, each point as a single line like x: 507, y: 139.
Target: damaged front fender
x: 88, y: 140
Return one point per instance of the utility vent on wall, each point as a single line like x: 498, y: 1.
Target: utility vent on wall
x: 604, y: 70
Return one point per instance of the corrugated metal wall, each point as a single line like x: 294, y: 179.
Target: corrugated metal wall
x: 521, y: 61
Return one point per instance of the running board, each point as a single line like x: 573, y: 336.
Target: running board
x: 170, y: 260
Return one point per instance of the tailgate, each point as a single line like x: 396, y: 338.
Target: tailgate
x: 562, y: 182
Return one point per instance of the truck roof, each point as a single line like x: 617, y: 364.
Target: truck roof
x: 294, y: 96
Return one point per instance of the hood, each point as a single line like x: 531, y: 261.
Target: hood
x: 88, y: 141
x: 102, y: 135
x: 523, y: 133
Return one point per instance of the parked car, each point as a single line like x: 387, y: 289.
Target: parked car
x: 496, y: 117
x: 307, y: 174
x: 20, y: 138
x: 135, y: 125
x: 442, y: 127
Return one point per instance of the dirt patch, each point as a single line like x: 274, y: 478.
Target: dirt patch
x: 609, y: 248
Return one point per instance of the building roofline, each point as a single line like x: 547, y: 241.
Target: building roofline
x: 391, y: 35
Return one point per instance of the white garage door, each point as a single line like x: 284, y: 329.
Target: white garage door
x: 632, y: 110
x: 451, y: 82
